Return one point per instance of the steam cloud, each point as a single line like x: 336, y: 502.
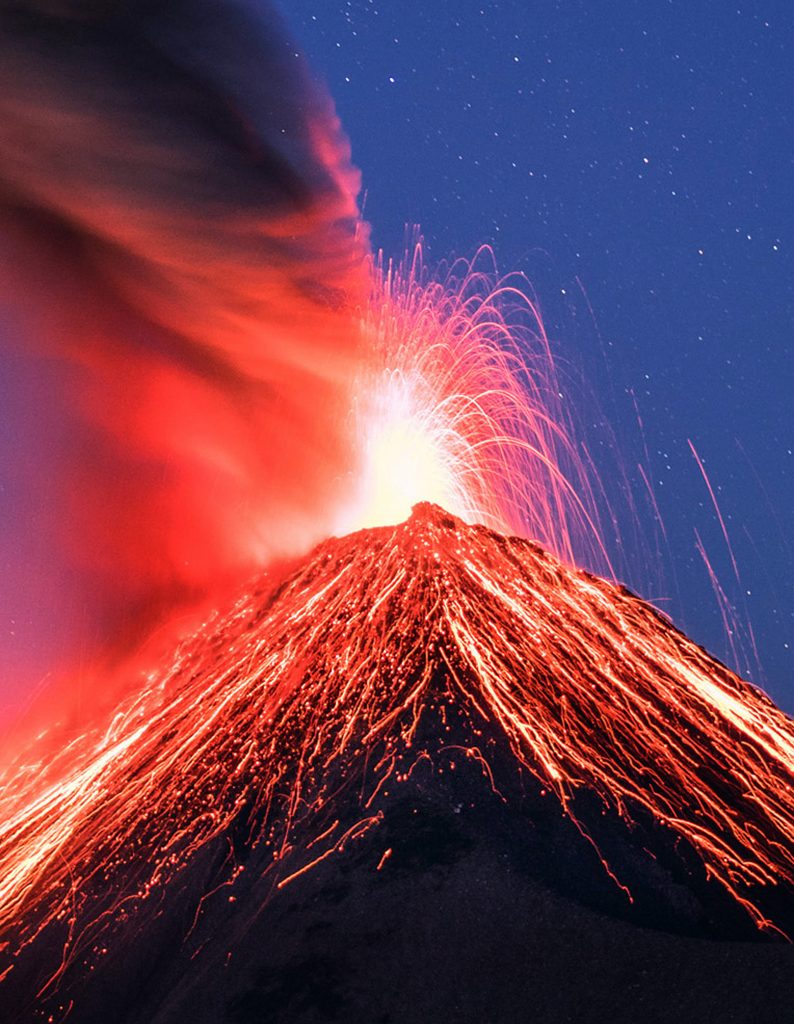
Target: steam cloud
x: 181, y: 264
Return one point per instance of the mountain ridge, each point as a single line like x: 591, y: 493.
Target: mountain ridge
x: 397, y: 674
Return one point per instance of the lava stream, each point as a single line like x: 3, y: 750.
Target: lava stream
x: 317, y: 687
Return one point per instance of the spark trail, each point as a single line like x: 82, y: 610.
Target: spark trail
x: 464, y: 403
x: 315, y: 691
x: 205, y: 215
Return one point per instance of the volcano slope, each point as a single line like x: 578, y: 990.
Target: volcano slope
x: 431, y: 774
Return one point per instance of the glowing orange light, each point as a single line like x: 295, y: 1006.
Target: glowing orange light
x: 268, y: 715
x: 405, y: 453
x: 251, y: 727
x: 462, y: 404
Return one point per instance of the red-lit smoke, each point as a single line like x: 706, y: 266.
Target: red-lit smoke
x: 182, y: 268
x: 204, y: 370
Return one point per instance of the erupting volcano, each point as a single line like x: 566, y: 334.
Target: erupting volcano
x: 426, y: 771
x: 396, y: 666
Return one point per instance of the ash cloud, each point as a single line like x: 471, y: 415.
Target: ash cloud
x: 181, y: 266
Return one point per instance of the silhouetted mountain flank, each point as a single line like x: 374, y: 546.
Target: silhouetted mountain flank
x: 433, y: 774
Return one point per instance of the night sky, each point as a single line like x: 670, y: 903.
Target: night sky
x: 635, y: 161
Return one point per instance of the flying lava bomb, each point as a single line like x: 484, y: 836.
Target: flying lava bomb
x: 339, y: 716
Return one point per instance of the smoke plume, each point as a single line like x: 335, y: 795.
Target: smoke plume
x: 181, y: 269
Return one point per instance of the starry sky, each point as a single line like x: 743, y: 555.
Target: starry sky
x: 635, y: 160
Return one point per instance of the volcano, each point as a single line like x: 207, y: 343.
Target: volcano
x: 429, y: 773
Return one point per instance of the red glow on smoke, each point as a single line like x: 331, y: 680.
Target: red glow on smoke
x: 183, y: 274
x: 238, y: 379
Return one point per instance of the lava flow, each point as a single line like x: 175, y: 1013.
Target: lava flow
x: 317, y: 690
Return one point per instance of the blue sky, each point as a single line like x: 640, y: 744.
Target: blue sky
x: 636, y: 161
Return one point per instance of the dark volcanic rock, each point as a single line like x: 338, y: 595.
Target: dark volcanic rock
x: 433, y: 775
x: 460, y: 924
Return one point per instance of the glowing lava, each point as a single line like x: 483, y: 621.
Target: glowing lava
x: 312, y: 693
x: 405, y: 453
x: 463, y: 404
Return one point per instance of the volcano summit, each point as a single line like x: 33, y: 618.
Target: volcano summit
x: 425, y: 745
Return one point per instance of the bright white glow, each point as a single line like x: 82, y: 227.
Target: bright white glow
x: 404, y: 458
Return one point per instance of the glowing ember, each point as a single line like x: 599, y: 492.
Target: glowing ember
x: 217, y: 305
x: 464, y: 406
x: 316, y: 690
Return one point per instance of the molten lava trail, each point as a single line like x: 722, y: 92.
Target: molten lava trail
x: 465, y: 404
x: 318, y: 687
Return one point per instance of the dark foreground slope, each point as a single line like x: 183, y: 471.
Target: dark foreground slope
x: 461, y: 925
x: 433, y: 775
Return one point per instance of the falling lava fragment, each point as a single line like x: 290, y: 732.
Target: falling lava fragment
x: 400, y: 676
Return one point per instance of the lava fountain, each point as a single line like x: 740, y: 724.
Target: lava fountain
x: 463, y: 403
x: 241, y: 379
